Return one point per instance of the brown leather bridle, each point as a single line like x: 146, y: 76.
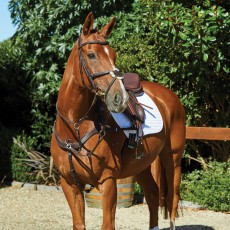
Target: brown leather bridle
x: 116, y: 74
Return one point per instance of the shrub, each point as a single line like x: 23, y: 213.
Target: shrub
x: 6, y: 142
x: 14, y: 91
x: 14, y: 101
x: 20, y: 171
x: 32, y: 166
x: 185, y: 48
x: 209, y: 187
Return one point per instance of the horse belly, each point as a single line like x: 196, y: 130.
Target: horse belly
x: 152, y: 146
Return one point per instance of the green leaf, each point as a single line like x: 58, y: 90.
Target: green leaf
x: 204, y: 48
x: 187, y: 44
x: 186, y: 54
x: 182, y: 36
x: 226, y: 69
x: 211, y: 39
x: 218, y: 66
x: 205, y: 57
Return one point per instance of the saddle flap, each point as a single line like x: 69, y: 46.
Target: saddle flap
x: 132, y: 83
x: 134, y: 109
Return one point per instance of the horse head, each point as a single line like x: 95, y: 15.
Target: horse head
x: 97, y: 65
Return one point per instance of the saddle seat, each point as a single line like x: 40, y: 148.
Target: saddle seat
x: 132, y: 83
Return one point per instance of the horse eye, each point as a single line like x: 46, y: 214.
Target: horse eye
x: 91, y: 56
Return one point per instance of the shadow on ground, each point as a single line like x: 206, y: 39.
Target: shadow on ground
x: 192, y: 227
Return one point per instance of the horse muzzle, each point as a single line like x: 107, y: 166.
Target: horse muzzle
x: 117, y: 102
x: 114, y: 93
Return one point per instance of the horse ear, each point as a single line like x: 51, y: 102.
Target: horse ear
x: 107, y: 29
x: 88, y: 24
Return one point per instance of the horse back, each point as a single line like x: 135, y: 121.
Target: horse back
x: 167, y: 101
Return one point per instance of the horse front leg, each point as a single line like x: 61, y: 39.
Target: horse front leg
x: 75, y: 199
x: 109, y: 201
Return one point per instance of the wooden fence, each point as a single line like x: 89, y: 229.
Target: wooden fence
x: 208, y: 133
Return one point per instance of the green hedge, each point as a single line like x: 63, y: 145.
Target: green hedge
x: 184, y: 47
x: 209, y: 187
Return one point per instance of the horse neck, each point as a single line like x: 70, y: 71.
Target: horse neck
x: 74, y: 99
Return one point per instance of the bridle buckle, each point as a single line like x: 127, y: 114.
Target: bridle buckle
x: 68, y: 144
x: 116, y: 74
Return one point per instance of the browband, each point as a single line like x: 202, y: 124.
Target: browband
x: 92, y: 42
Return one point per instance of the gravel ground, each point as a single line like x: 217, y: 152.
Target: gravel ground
x: 26, y: 209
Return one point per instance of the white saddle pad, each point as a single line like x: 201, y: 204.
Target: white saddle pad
x: 153, y: 121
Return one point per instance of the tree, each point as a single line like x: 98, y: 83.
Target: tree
x: 14, y: 92
x: 14, y: 101
x: 50, y: 29
x: 185, y: 49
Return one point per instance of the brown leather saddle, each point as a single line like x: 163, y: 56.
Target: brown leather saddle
x: 134, y: 109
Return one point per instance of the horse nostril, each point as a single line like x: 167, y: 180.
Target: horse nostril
x: 117, y: 99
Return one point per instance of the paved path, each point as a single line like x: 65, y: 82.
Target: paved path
x: 26, y: 209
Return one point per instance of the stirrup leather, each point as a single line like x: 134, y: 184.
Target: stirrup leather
x: 134, y: 111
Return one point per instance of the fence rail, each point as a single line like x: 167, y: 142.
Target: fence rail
x: 207, y: 133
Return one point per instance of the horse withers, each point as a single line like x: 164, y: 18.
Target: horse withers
x: 89, y: 148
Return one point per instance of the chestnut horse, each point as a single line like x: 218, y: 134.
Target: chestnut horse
x: 88, y: 147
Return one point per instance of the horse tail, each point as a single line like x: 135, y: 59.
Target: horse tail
x: 159, y: 175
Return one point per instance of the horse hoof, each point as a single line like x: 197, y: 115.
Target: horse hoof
x: 172, y: 225
x: 155, y: 228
